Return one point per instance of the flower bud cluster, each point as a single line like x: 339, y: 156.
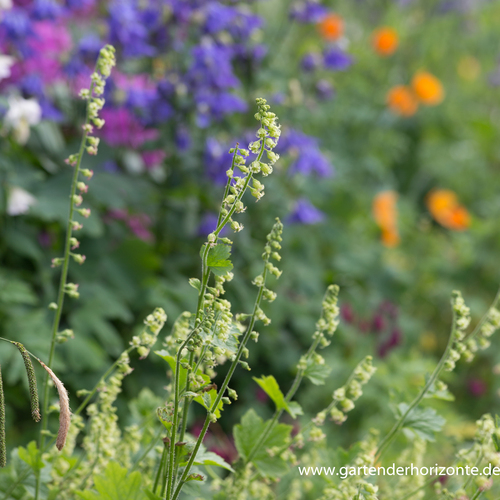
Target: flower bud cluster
x: 346, y: 395
x: 488, y: 328
x: 145, y: 341
x: 329, y: 321
x: 268, y: 135
x: 460, y: 347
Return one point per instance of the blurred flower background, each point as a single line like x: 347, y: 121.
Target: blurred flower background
x: 389, y: 180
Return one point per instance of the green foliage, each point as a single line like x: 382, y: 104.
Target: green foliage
x: 246, y: 435
x: 421, y: 422
x: 269, y: 385
x: 218, y: 259
x: 116, y: 483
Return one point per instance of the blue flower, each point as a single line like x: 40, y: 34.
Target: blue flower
x: 16, y: 25
x: 89, y: 46
x: 308, y: 158
x: 219, y: 17
x: 324, y: 90
x: 46, y: 9
x: 311, y: 61
x: 308, y: 11
x: 127, y: 31
x: 336, y: 60
x: 217, y: 160
x: 305, y: 213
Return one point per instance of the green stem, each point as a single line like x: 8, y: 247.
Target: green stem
x: 420, y: 488
x: 62, y: 283
x: 484, y: 318
x: 222, y: 390
x: 435, y: 374
x: 161, y: 466
x: 101, y: 380
x: 290, y: 394
x: 199, y: 309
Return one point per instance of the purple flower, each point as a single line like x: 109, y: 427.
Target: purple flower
x: 16, y: 27
x: 336, y: 60
x: 208, y: 224
x: 324, y: 90
x: 211, y: 67
x: 124, y: 129
x: 308, y: 11
x: 127, y: 30
x: 182, y: 139
x: 305, y: 213
x: 217, y: 160
x: 218, y: 17
x: 89, y: 46
x: 46, y: 9
x: 311, y: 61
x: 305, y: 151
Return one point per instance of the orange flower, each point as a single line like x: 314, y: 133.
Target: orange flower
x: 385, y: 41
x: 427, y: 88
x: 444, y: 207
x: 331, y: 27
x: 401, y: 101
x: 385, y: 215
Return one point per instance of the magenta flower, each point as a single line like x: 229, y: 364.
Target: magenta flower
x: 124, y: 129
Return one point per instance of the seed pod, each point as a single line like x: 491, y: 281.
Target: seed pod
x: 65, y: 413
x: 30, y: 371
x: 3, y: 449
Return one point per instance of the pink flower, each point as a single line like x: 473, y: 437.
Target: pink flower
x: 124, y: 129
x: 153, y: 158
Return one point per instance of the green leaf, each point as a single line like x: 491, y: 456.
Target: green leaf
x: 208, y: 399
x: 204, y: 457
x: 152, y: 496
x: 295, y: 409
x: 316, y: 373
x: 218, y: 259
x: 15, y: 291
x: 422, y: 422
x: 271, y: 388
x: 32, y: 456
x: 117, y: 483
x: 432, y: 393
x: 246, y: 436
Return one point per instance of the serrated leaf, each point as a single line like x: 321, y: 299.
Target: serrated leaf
x: 423, y: 422
x: 117, y: 483
x: 208, y: 399
x: 444, y: 395
x: 246, y: 436
x: 271, y: 388
x: 316, y: 373
x: 295, y: 409
x: 218, y: 259
x: 32, y: 456
x: 204, y: 457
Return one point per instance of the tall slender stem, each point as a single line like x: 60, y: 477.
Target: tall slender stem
x: 64, y: 276
x: 222, y: 390
x: 435, y: 374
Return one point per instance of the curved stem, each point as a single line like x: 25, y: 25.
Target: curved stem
x: 64, y: 276
x: 222, y: 390
x: 435, y: 374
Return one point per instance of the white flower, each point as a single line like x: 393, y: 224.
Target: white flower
x: 19, y: 201
x: 5, y: 63
x: 21, y: 114
x: 5, y: 5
